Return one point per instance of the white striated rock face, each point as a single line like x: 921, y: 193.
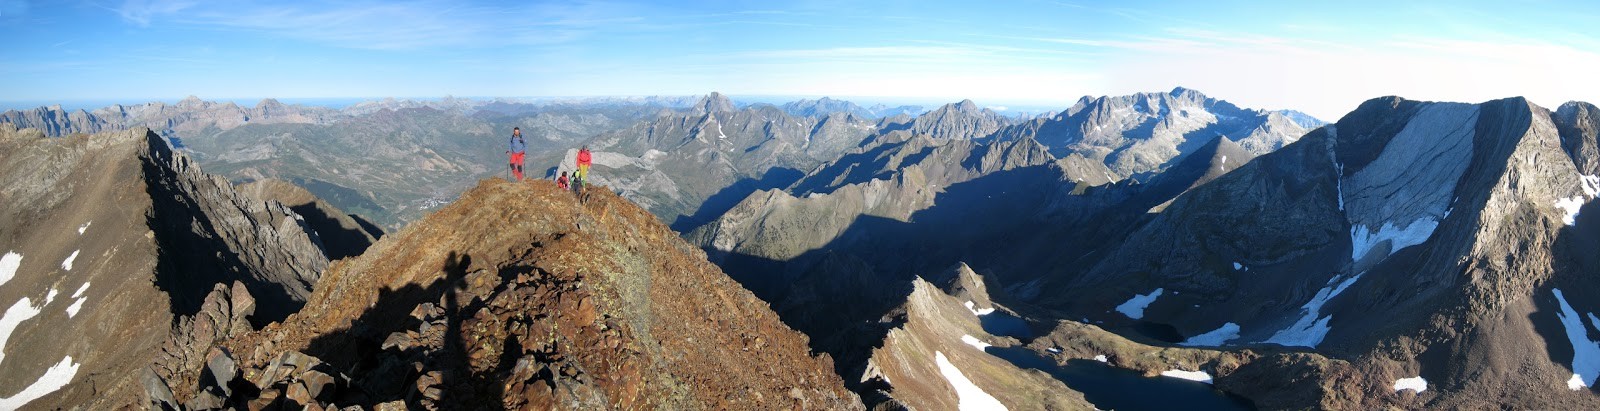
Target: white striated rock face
x: 1398, y: 199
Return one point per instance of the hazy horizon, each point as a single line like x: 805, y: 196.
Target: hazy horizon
x: 1321, y: 59
x: 341, y: 102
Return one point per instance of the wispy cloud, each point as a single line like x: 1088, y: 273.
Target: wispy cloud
x: 140, y: 12
x: 388, y: 25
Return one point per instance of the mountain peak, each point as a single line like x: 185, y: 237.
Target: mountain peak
x: 1180, y: 90
x: 714, y: 103
x: 967, y: 105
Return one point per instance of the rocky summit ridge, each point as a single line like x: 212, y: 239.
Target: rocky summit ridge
x: 520, y: 296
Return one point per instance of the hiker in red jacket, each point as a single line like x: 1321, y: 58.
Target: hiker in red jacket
x: 518, y: 149
x: 561, y: 182
x: 582, y: 177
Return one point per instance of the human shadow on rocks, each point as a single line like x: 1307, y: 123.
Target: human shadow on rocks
x: 392, y: 351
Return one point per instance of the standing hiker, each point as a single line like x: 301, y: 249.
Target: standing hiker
x: 518, y: 149
x: 583, y: 166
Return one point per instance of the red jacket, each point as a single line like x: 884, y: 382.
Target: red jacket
x: 561, y: 182
x: 583, y: 157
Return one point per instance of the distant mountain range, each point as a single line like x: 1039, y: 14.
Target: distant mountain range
x: 1411, y: 255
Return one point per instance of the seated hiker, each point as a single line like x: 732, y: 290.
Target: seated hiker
x: 561, y: 182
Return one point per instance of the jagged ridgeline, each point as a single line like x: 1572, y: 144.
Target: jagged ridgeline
x: 112, y: 243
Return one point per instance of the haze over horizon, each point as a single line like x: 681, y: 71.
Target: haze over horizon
x: 1322, y: 59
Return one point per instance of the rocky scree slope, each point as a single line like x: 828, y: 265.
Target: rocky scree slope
x: 519, y: 296
x: 112, y: 244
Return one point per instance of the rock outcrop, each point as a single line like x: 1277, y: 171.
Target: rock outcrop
x: 939, y: 348
x: 343, y: 235
x: 520, y: 296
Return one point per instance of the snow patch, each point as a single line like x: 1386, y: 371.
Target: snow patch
x: 1215, y: 338
x: 968, y: 395
x: 84, y: 227
x: 72, y: 310
x: 1223, y: 164
x: 978, y: 311
x: 1569, y: 207
x: 1135, y: 306
x: 67, y: 264
x: 1585, y: 352
x: 1339, y: 184
x: 1100, y: 358
x: 53, y: 379
x: 8, y: 266
x: 14, y: 316
x: 975, y: 342
x: 50, y: 296
x: 1200, y: 376
x: 719, y: 131
x: 81, y: 289
x: 1414, y: 383
x: 1362, y: 241
x: 1309, y: 330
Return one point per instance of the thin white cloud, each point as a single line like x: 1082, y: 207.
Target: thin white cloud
x: 140, y: 12
x: 387, y: 25
x: 1328, y: 78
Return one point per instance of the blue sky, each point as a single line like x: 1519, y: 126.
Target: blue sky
x: 1320, y: 58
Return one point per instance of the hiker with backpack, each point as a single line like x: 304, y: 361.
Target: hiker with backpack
x: 582, y: 177
x: 518, y: 149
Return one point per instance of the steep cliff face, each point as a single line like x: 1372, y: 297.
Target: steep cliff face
x: 520, y: 296
x: 111, y: 242
x: 1411, y: 239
